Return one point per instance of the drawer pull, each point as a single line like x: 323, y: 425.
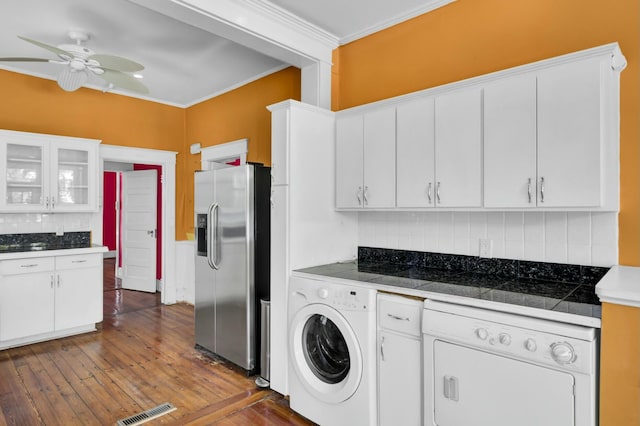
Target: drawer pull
x: 78, y: 261
x: 396, y: 317
x: 30, y: 265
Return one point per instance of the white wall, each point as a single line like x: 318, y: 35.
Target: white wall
x: 577, y: 238
x: 185, y: 271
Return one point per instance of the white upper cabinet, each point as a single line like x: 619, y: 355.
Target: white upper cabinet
x: 349, y: 162
x: 510, y: 143
x: 543, y: 135
x: 44, y: 173
x: 458, y: 135
x: 365, y: 160
x: 415, y: 162
x: 379, y: 159
x: 569, y: 135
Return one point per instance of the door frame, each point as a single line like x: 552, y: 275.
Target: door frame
x: 167, y: 160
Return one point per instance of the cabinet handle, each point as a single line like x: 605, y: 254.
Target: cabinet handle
x: 53, y: 202
x: 542, y: 189
x: 58, y: 281
x: 78, y: 261
x: 364, y: 195
x: 382, y: 348
x: 429, y: 192
x: 529, y: 190
x: 396, y: 317
x: 51, y: 281
x: 358, y: 195
x: 46, y: 201
x: 438, y: 192
x: 29, y: 265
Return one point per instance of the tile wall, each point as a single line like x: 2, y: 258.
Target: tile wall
x: 581, y: 238
x: 26, y: 223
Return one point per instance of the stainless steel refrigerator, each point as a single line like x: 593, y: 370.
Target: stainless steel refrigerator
x: 232, y: 219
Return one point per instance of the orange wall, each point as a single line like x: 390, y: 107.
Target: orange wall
x: 238, y: 114
x: 468, y: 38
x: 31, y: 104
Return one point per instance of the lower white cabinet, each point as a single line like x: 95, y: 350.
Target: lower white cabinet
x: 49, y: 297
x: 399, y: 360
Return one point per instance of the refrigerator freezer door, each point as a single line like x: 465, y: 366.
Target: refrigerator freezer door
x: 205, y: 296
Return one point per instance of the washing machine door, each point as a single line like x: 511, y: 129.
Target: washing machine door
x: 325, y: 353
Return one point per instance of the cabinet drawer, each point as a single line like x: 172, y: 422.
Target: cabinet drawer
x: 26, y: 266
x: 400, y: 314
x: 78, y: 261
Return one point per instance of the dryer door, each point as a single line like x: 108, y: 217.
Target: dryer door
x: 325, y: 353
x: 474, y: 387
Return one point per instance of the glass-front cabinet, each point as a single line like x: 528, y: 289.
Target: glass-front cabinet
x: 46, y: 173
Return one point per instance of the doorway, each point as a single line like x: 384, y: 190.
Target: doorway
x: 135, y: 227
x: 167, y: 161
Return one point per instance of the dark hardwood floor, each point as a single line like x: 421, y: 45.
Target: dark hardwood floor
x: 142, y: 356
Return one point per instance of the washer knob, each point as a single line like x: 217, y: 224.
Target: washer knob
x: 563, y: 353
x: 530, y: 345
x: 482, y: 333
x: 504, y: 339
x: 323, y: 293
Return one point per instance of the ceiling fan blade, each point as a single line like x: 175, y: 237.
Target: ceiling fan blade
x: 116, y: 63
x: 23, y: 60
x: 57, y: 51
x: 124, y: 81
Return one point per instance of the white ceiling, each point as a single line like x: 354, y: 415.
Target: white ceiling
x: 183, y: 64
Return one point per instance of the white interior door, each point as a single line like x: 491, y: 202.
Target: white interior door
x: 139, y: 204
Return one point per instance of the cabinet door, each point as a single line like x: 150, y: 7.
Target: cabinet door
x: 569, y: 132
x: 280, y: 147
x: 24, y: 175
x: 459, y: 149
x: 26, y: 305
x: 78, y: 299
x: 415, y: 170
x: 78, y: 285
x: 74, y: 177
x: 510, y: 143
x: 349, y: 166
x: 380, y: 159
x: 399, y: 380
x: 279, y: 273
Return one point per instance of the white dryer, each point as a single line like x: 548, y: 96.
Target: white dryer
x: 332, y: 364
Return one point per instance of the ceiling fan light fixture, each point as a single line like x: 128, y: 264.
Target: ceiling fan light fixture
x: 71, y: 80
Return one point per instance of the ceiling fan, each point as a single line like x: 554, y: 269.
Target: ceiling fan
x: 79, y: 60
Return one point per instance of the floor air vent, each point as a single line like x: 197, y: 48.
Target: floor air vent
x: 145, y: 416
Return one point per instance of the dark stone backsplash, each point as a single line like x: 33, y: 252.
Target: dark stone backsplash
x: 503, y: 268
x: 44, y: 241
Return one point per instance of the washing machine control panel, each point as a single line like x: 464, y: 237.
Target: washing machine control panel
x: 343, y: 297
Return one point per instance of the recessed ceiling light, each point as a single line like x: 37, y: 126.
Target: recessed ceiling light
x: 138, y: 76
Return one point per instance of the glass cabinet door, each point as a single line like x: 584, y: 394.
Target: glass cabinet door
x: 25, y: 177
x: 73, y: 177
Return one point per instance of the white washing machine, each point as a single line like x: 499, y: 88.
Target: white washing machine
x: 332, y: 364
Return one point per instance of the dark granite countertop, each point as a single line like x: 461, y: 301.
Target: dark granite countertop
x: 17, y: 243
x: 552, y: 288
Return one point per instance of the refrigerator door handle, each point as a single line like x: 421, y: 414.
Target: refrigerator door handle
x: 212, y: 227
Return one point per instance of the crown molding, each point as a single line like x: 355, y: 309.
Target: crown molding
x: 428, y: 7
x: 276, y: 13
